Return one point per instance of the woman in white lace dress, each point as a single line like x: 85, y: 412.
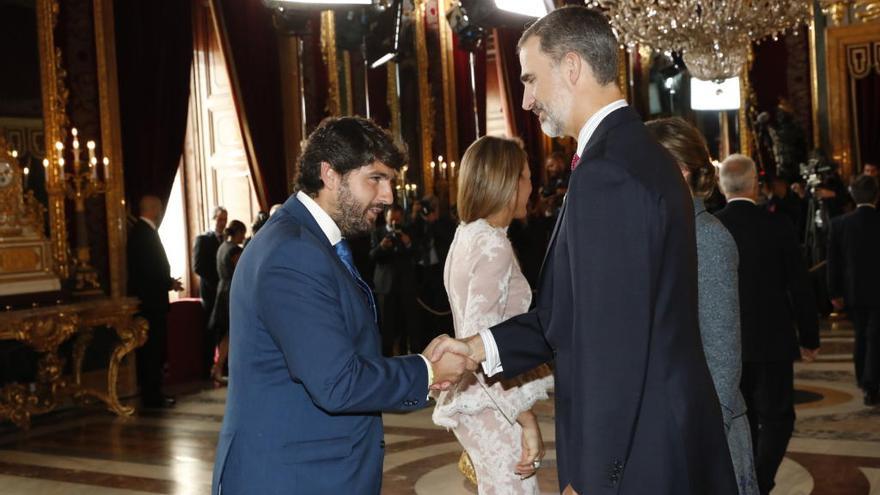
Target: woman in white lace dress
x: 492, y: 418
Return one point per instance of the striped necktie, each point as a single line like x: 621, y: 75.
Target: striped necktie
x: 574, y: 161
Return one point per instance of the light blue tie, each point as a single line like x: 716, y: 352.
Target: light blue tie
x: 344, y: 252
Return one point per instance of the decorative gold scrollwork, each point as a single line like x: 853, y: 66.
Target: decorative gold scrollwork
x: 45, y: 329
x: 858, y: 60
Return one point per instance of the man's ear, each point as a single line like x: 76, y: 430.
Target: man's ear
x: 329, y: 177
x: 573, y: 68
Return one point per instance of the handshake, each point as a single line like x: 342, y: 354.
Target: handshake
x: 451, y: 358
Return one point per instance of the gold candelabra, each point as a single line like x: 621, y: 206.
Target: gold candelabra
x: 86, y: 179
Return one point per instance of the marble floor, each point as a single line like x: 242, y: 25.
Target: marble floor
x: 835, y: 449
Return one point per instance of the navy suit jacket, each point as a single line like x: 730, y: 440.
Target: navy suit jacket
x: 306, y: 376
x: 853, y: 261
x: 636, y: 410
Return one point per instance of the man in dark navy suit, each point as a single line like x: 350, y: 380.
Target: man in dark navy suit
x: 636, y: 409
x: 778, y: 313
x: 854, y: 280
x: 149, y: 279
x: 307, y: 380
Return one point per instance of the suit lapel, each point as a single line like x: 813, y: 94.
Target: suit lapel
x: 302, y: 215
x: 593, y: 148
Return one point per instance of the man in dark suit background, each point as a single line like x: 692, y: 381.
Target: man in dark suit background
x: 854, y: 280
x: 204, y: 264
x: 394, y: 281
x: 775, y: 294
x: 149, y: 279
x: 636, y: 409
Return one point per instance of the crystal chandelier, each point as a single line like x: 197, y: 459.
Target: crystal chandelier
x: 713, y: 36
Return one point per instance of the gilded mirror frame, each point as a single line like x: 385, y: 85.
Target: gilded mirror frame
x: 55, y: 121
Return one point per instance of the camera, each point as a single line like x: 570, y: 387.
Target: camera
x: 816, y: 170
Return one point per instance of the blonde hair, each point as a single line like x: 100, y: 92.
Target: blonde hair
x: 489, y: 176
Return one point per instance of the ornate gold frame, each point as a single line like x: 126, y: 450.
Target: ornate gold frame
x: 328, y: 52
x: 55, y: 95
x: 446, y: 59
x: 426, y: 122
x: 840, y: 118
x: 111, y: 139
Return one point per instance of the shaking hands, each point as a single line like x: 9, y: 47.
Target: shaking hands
x: 451, y: 358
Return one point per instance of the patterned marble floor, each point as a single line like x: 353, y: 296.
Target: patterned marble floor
x: 835, y: 449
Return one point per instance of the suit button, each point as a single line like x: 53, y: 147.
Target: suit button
x: 382, y: 444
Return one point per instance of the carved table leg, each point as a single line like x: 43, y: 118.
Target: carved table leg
x: 83, y: 340
x: 132, y: 334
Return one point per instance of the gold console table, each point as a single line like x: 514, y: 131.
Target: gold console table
x: 45, y: 329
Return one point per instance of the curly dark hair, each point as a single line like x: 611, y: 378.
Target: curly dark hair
x: 346, y: 143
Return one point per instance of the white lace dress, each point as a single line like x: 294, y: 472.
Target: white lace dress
x: 485, y: 287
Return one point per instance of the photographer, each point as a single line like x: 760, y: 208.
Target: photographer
x: 394, y: 280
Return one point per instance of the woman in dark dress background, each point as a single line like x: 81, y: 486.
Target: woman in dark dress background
x: 227, y: 258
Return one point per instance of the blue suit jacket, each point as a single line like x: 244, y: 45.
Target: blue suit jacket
x: 306, y: 376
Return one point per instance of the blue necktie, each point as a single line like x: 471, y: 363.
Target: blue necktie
x: 344, y: 252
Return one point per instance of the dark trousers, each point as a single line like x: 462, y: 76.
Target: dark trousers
x: 866, y: 354
x: 151, y: 356
x: 768, y: 389
x: 397, y: 316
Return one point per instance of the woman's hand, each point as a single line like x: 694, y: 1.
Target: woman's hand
x: 532, y: 445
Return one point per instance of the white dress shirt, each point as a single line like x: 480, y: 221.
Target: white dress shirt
x: 492, y: 364
x: 747, y: 200
x: 334, y: 235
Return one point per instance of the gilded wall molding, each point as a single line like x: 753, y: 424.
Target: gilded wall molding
x: 55, y: 121
x: 450, y: 116
x: 111, y: 142
x: 744, y: 116
x: 425, y: 118
x: 838, y: 41
x: 328, y: 53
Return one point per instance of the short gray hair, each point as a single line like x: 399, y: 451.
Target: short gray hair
x: 580, y: 30
x: 738, y: 174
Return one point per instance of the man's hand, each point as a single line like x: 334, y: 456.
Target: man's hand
x: 449, y: 370
x: 176, y: 285
x: 838, y: 303
x: 809, y: 355
x: 386, y: 243
x: 448, y: 367
x: 472, y: 347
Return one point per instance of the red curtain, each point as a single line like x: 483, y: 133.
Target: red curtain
x: 250, y: 45
x: 867, y: 101
x: 524, y: 123
x: 464, y: 100
x: 154, y: 50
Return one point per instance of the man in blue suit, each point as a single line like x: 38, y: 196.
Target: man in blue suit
x: 636, y: 409
x: 307, y: 379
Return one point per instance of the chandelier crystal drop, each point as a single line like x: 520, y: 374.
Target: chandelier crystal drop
x: 713, y: 36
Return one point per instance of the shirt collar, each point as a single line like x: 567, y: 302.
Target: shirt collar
x: 328, y: 226
x: 593, y: 123
x: 747, y: 200
x: 149, y: 222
